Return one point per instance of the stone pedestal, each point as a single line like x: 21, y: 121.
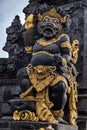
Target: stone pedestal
x: 25, y: 125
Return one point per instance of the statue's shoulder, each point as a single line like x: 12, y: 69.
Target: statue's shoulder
x: 63, y: 38
x: 64, y: 41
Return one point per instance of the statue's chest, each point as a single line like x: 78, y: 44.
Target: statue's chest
x: 53, y: 48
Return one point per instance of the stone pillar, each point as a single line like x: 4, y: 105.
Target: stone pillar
x: 82, y: 104
x: 85, y: 49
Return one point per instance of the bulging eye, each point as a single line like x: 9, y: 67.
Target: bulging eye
x: 46, y: 18
x: 56, y: 20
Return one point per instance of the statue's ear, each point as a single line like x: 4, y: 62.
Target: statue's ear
x: 40, y: 17
x: 29, y: 23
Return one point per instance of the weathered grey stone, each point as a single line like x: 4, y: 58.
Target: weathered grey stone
x: 6, y: 109
x: 1, y: 93
x: 82, y: 105
x: 82, y: 125
x: 9, y: 118
x: 5, y: 129
x: 15, y: 90
x: 9, y: 30
x: 4, y: 124
x: 67, y: 127
x: 7, y: 93
x: 25, y: 125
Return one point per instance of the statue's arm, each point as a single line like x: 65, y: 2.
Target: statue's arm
x: 65, y: 48
x: 65, y: 51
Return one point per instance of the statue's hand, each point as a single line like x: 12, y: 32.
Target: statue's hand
x: 22, y: 95
x: 58, y: 59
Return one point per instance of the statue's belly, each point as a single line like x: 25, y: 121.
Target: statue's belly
x: 42, y: 59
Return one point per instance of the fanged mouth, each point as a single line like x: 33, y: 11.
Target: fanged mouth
x: 48, y: 30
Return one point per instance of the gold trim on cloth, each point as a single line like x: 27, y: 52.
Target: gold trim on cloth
x: 48, y: 102
x: 44, y: 76
x: 44, y: 113
x: 47, y: 43
x: 42, y: 109
x: 73, y: 99
x: 28, y: 98
x: 57, y: 79
x: 58, y: 113
x: 42, y: 128
x: 65, y: 45
x: 43, y: 52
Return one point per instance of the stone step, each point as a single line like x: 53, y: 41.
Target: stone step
x: 25, y: 125
x: 5, y: 129
x: 82, y: 118
x: 80, y: 96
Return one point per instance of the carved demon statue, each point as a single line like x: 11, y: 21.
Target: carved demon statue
x: 50, y: 76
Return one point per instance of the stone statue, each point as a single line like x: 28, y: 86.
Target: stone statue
x: 50, y: 76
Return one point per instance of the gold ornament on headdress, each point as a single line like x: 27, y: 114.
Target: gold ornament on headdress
x: 29, y: 24
x: 52, y: 13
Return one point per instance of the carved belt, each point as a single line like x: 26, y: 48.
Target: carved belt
x: 43, y: 52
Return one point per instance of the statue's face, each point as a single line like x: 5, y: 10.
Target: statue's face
x: 49, y: 26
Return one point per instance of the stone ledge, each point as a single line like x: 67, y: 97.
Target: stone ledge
x: 25, y: 125
x: 66, y: 127
x: 5, y: 129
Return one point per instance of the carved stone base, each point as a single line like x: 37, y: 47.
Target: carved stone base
x: 24, y: 125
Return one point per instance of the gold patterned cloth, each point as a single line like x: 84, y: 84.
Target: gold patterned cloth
x: 44, y: 76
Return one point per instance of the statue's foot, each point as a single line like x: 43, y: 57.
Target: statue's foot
x: 60, y: 120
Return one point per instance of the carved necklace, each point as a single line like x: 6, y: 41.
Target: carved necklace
x: 43, y: 42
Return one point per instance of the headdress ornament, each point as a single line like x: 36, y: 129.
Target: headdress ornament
x: 52, y: 13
